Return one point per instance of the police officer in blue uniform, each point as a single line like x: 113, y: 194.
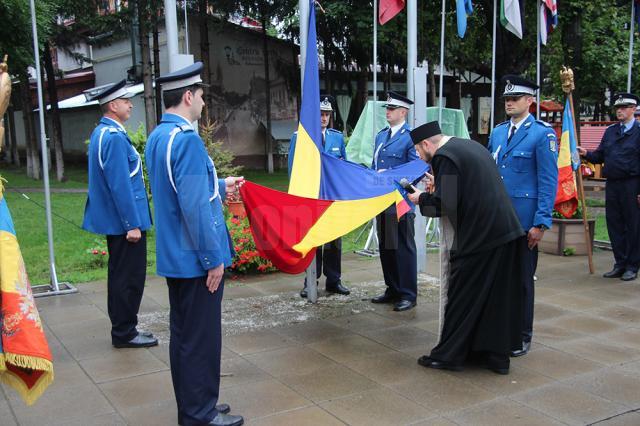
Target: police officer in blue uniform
x: 193, y: 247
x: 393, y: 147
x: 328, y: 257
x: 117, y: 207
x: 525, y: 150
x: 619, y: 150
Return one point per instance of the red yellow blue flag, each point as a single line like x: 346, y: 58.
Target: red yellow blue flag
x: 568, y: 161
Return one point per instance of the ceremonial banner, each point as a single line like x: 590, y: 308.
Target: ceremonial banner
x: 463, y: 8
x: 568, y: 161
x: 548, y: 18
x: 511, y: 16
x: 25, y: 360
x: 388, y: 9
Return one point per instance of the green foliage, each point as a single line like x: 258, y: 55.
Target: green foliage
x: 139, y: 141
x: 569, y: 251
x: 576, y: 215
x: 222, y: 158
x: 247, y: 259
x: 97, y: 254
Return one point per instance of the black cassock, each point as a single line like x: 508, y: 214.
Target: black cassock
x: 483, y: 310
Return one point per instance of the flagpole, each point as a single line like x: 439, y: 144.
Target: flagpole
x: 568, y: 86
x: 538, y: 42
x: 493, y: 64
x: 412, y: 52
x: 631, y: 30
x: 441, y: 84
x: 310, y: 273
x: 375, y: 69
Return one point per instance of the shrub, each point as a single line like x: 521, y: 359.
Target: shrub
x: 98, y: 255
x: 222, y: 158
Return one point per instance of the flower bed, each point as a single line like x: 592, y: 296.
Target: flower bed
x: 247, y: 259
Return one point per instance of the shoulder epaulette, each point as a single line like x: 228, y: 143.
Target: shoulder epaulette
x: 334, y: 131
x: 186, y: 128
x: 503, y: 123
x: 544, y: 123
x: 113, y: 130
x: 384, y: 130
x: 614, y: 124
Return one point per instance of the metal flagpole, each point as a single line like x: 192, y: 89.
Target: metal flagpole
x: 631, y: 30
x: 375, y: 68
x: 441, y: 84
x: 54, y: 287
x: 493, y: 64
x: 171, y: 25
x: 310, y: 273
x: 538, y: 6
x: 186, y: 29
x: 412, y: 51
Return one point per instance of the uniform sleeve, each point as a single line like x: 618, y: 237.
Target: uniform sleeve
x: 597, y: 156
x: 547, y: 175
x: 343, y: 148
x: 115, y: 159
x: 490, y: 143
x: 192, y: 185
x: 412, y: 154
x: 441, y: 202
x: 292, y: 150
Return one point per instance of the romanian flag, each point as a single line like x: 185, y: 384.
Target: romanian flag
x: 25, y: 358
x: 568, y: 162
x: 327, y: 197
x: 548, y: 18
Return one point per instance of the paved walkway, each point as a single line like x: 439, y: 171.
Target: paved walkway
x: 346, y: 361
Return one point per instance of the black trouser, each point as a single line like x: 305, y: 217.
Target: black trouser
x: 328, y: 260
x: 127, y: 271
x: 398, y: 254
x: 195, y: 347
x: 528, y: 266
x: 623, y: 222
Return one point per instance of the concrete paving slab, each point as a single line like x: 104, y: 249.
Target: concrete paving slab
x: 296, y: 358
x: 598, y: 350
x: 626, y: 419
x: 256, y: 341
x: 501, y: 411
x: 387, y: 368
x: 350, y: 348
x: 569, y: 405
x: 237, y: 371
x: 555, y: 364
x: 376, y: 407
x: 140, y: 390
x: 313, y: 331
x: 620, y: 313
x: 609, y: 384
x: 310, y: 416
x: 123, y: 364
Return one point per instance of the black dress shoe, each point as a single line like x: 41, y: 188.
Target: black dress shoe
x: 384, y: 298
x: 525, y: 350
x: 403, y: 305
x: 338, y: 289
x: 428, y: 362
x: 226, y: 420
x: 145, y: 333
x: 614, y: 273
x: 139, y: 341
x: 629, y: 276
x: 220, y: 408
x: 303, y: 292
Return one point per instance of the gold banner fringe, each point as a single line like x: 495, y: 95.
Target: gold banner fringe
x: 29, y: 396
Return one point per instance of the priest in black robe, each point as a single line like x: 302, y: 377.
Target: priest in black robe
x: 482, y: 316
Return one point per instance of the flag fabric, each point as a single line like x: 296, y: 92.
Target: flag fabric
x: 327, y: 197
x: 463, y: 8
x: 388, y: 9
x: 25, y: 359
x: 548, y: 19
x: 568, y: 161
x: 511, y: 16
x: 636, y: 8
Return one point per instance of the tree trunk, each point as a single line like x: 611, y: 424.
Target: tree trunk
x: 33, y: 163
x: 15, y: 156
x: 56, y: 124
x: 204, y: 55
x: 145, y: 58
x: 267, y: 87
x: 156, y: 64
x: 432, y: 83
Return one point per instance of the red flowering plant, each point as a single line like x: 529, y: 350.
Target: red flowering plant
x: 98, y: 255
x: 247, y: 259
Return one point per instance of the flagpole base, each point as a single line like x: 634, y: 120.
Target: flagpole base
x: 45, y: 290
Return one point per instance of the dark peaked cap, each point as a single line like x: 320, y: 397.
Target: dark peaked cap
x: 396, y: 100
x: 425, y: 131
x: 108, y: 92
x: 185, y: 77
x: 514, y: 85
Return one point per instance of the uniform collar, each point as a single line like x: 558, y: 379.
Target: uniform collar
x: 112, y: 122
x: 520, y: 123
x: 394, y: 129
x: 629, y: 125
x: 172, y: 117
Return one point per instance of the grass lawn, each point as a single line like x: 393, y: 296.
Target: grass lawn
x: 17, y: 178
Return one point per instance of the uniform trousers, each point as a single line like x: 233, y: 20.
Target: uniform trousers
x: 528, y: 266
x: 328, y: 260
x: 623, y: 221
x: 127, y: 270
x: 398, y: 254
x: 195, y: 347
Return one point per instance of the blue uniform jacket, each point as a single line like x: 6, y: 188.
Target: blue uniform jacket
x: 393, y: 152
x: 117, y: 200
x: 619, y: 151
x: 333, y: 145
x: 192, y: 236
x: 529, y: 169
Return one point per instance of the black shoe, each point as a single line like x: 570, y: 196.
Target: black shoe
x: 614, y: 273
x: 428, y: 362
x: 525, y: 350
x: 226, y: 420
x: 220, y: 408
x: 629, y: 276
x: 338, y: 288
x: 145, y: 333
x: 403, y: 305
x: 384, y: 298
x: 139, y: 341
x: 303, y: 292
x: 498, y: 363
